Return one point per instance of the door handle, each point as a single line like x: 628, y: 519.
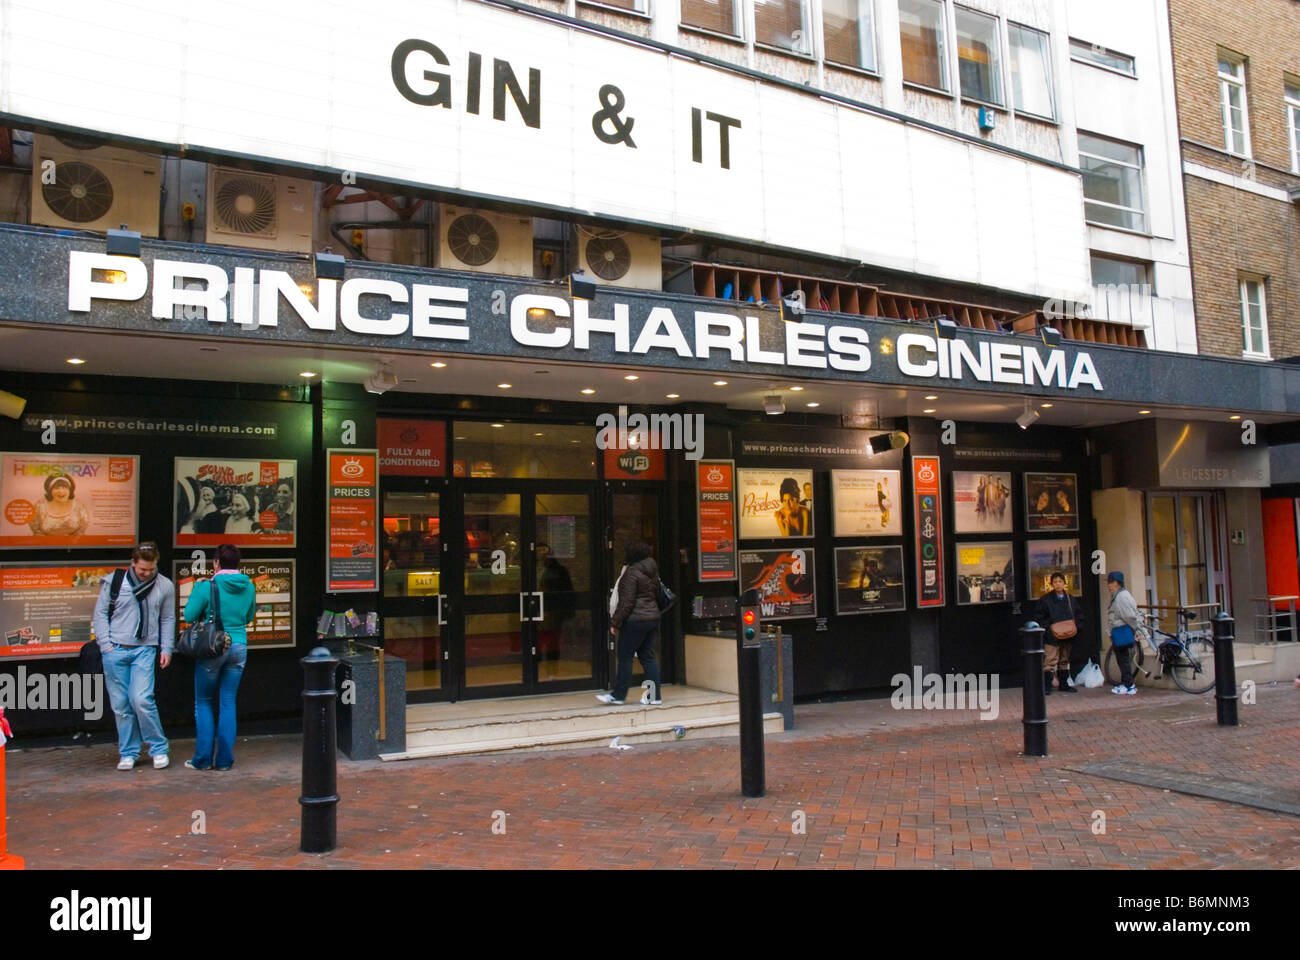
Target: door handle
x: 541, y: 605
x: 522, y: 616
x: 442, y: 622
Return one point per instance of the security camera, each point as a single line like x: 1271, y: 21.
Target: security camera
x: 773, y: 404
x: 882, y: 442
x: 11, y: 405
x: 381, y: 381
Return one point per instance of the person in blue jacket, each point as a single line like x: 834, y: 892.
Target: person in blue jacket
x: 218, y: 678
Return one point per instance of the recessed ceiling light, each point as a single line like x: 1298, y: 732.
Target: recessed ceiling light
x: 462, y: 438
x: 673, y: 396
x: 719, y: 383
x: 933, y: 396
x: 209, y: 349
x: 539, y: 434
x: 796, y: 389
x: 409, y: 380
x: 498, y: 425
x: 76, y: 361
x: 575, y: 441
x: 541, y: 371
x: 308, y: 374
x: 631, y: 376
x: 1235, y: 416
x: 504, y: 386
x: 438, y: 364
x: 1144, y: 411
x: 814, y: 404
x: 928, y: 410
x: 1046, y: 406
x: 588, y: 391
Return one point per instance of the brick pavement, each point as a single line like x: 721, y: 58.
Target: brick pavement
x: 878, y: 788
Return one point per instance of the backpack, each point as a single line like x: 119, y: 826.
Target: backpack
x: 91, y: 659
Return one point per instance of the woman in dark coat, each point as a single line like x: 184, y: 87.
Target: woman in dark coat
x: 635, y: 622
x: 1058, y: 606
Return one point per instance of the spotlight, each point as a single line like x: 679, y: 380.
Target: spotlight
x: 884, y: 442
x: 11, y: 405
x: 773, y: 404
x: 1026, y: 418
x: 944, y: 328
x: 329, y: 266
x: 581, y: 288
x: 123, y: 243
x: 1051, y: 336
x: 382, y: 380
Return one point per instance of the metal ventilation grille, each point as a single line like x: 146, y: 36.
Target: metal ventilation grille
x: 81, y: 143
x: 473, y: 240
x: 79, y: 193
x: 245, y: 204
x: 609, y: 257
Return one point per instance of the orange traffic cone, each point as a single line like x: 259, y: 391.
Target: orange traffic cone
x: 7, y: 861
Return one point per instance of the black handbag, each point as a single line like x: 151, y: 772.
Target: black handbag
x: 208, y: 638
x: 666, y: 597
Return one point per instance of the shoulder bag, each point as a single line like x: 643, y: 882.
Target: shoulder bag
x: 91, y: 658
x: 665, y: 597
x: 208, y: 638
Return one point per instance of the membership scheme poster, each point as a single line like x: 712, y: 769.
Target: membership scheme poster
x: 272, y: 623
x: 869, y: 580
x: 785, y: 581
x: 46, y: 608
x: 775, y: 503
x: 985, y: 573
x: 250, y: 503
x: 68, y: 500
x: 1052, y: 502
x: 351, y: 557
x: 716, y: 505
x: 981, y: 502
x: 864, y: 503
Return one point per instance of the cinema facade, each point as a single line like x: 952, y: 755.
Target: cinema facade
x: 880, y: 430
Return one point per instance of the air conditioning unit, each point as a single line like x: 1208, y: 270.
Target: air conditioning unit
x: 621, y: 259
x: 260, y: 210
x: 485, y: 241
x: 94, y: 186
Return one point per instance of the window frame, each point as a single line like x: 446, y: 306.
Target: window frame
x: 642, y: 8
x: 944, y: 52
x: 737, y: 23
x: 1083, y: 58
x: 996, y: 80
x: 871, y: 34
x: 1226, y: 81
x: 1140, y: 166
x: 1050, y: 72
x: 1291, y: 101
x: 1244, y: 280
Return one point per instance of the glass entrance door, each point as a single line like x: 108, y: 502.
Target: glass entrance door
x: 415, y: 602
x: 526, y: 617
x: 1182, y: 551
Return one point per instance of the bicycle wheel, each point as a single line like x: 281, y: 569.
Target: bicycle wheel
x: 1110, y: 669
x: 1193, y: 665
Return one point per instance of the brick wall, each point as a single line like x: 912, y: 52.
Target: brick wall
x: 1234, y: 231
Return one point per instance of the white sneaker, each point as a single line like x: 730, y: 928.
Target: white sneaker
x: 126, y: 763
x: 608, y: 698
x: 161, y: 762
x: 1131, y: 691
x: 1119, y: 689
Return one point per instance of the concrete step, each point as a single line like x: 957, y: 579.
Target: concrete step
x: 723, y: 725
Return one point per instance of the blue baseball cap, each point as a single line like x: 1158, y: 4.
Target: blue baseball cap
x: 1116, y: 576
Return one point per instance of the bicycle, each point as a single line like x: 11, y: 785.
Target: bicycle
x: 1188, y: 656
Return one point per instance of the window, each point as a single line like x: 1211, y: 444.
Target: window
x: 1099, y: 56
x: 1112, y: 182
x: 780, y: 23
x: 1293, y: 121
x: 1121, y: 291
x: 1107, y: 271
x: 978, y: 56
x: 716, y: 15
x: 1254, y: 317
x: 921, y: 34
x: 1232, y: 96
x: 849, y: 33
x: 1031, y: 70
x: 636, y: 6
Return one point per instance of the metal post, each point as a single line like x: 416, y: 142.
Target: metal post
x: 1225, y: 671
x: 749, y: 646
x: 1035, y: 699
x: 319, y: 797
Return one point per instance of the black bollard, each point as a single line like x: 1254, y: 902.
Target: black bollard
x: 1035, y: 700
x: 319, y: 797
x: 1225, y: 671
x: 749, y: 645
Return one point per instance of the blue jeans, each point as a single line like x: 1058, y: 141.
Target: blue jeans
x: 217, y: 679
x: 128, y: 673
x: 637, y: 639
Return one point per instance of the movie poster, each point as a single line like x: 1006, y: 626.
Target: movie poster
x: 1052, y: 502
x: 981, y: 502
x: 272, y: 623
x: 869, y: 580
x: 775, y: 503
x: 1046, y: 556
x: 866, y: 503
x: 785, y: 581
x: 46, y: 609
x: 250, y: 503
x: 68, y: 500
x: 986, y: 573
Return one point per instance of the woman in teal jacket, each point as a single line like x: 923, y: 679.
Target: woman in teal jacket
x: 218, y: 678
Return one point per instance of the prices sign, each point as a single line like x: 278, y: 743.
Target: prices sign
x: 715, y: 504
x: 352, y: 553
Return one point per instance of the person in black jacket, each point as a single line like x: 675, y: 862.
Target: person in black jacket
x: 1060, y: 607
x: 635, y: 622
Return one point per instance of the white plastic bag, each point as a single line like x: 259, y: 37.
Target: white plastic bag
x: 613, y: 594
x: 1089, y: 676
